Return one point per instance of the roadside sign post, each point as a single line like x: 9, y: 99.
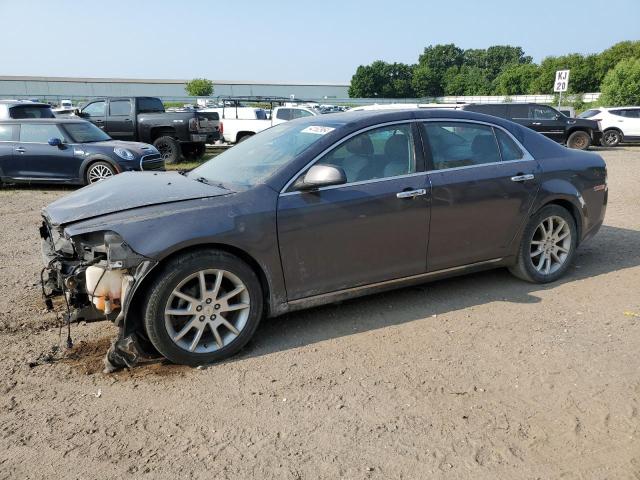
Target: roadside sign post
x: 561, y: 83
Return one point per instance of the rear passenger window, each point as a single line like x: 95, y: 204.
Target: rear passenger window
x: 508, y: 148
x: 120, y: 107
x: 6, y: 133
x: 457, y: 144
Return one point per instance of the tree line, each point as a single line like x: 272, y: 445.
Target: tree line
x: 497, y: 70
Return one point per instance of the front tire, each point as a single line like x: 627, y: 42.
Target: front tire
x: 548, y: 246
x: 202, y: 307
x: 579, y: 140
x: 98, y: 171
x: 611, y: 138
x: 169, y: 149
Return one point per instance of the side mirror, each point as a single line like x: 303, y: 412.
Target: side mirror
x: 321, y: 176
x: 78, y: 113
x: 55, y: 142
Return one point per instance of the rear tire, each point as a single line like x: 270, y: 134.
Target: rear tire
x: 611, y: 138
x: 169, y: 149
x: 548, y: 246
x: 187, y: 336
x: 194, y: 152
x: 98, y: 171
x: 579, y: 140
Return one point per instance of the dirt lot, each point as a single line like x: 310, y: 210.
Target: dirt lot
x: 478, y: 377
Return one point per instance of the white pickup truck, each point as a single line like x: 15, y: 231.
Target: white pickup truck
x: 239, y: 123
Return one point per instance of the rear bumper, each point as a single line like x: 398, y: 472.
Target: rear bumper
x: 205, y: 137
x: 596, y: 136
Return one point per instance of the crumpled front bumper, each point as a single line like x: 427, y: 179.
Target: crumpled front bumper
x: 65, y: 275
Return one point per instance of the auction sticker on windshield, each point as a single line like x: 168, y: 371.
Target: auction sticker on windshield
x: 318, y: 130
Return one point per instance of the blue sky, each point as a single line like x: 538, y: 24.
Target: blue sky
x: 319, y: 41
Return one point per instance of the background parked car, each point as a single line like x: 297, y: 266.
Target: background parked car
x: 67, y: 151
x: 24, y: 109
x: 576, y: 133
x: 619, y: 124
x: 176, y: 135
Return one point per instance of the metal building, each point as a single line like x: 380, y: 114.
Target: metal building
x: 56, y: 88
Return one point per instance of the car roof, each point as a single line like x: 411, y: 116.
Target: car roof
x: 43, y: 120
x: 23, y: 102
x: 362, y: 118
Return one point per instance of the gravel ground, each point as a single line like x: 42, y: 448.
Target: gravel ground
x: 478, y: 377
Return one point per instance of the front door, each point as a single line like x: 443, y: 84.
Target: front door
x: 483, y: 185
x: 44, y: 161
x: 120, y: 118
x: 371, y: 229
x: 95, y: 112
x: 541, y: 118
x: 11, y: 163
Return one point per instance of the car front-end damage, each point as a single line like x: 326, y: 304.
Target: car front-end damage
x: 96, y: 274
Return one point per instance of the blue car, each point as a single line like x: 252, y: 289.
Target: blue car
x: 67, y: 151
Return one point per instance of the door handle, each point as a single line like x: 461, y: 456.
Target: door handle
x: 536, y: 123
x: 523, y: 178
x: 412, y: 193
x: 99, y: 121
x: 20, y: 150
x: 128, y: 120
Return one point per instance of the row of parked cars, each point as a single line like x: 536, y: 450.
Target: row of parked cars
x: 112, y: 135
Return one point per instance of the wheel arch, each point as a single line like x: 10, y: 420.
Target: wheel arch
x: 97, y: 158
x: 134, y: 313
x: 162, y: 131
x: 571, y: 204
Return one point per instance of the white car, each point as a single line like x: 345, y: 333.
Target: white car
x: 618, y: 124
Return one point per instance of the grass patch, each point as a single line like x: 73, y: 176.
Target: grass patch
x: 211, y: 153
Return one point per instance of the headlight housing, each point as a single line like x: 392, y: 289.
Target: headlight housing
x: 124, y: 153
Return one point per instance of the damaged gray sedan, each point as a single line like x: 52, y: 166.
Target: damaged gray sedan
x: 310, y: 212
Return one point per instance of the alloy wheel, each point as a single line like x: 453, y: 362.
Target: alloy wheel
x: 550, y: 245
x: 610, y: 138
x: 207, y: 311
x: 99, y: 172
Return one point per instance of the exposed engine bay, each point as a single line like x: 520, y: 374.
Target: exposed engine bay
x: 96, y: 275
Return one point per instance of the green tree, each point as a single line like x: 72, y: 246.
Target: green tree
x: 432, y: 66
x: 583, y: 77
x: 199, y: 87
x: 610, y: 57
x: 621, y: 86
x: 382, y: 79
x: 516, y: 79
x: 466, y: 80
x: 498, y: 57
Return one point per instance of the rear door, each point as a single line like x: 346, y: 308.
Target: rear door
x: 43, y: 161
x: 120, y: 119
x: 631, y: 123
x: 11, y: 164
x: 96, y: 113
x: 483, y: 184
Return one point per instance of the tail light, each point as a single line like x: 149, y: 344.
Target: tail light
x: 221, y: 128
x: 193, y: 124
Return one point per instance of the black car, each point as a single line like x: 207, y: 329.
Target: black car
x: 68, y: 151
x: 313, y: 211
x: 575, y: 133
x: 21, y: 109
x: 177, y: 135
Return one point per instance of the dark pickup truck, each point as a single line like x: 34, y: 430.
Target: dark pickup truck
x: 572, y: 132
x: 177, y: 135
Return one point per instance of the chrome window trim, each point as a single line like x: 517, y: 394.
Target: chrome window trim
x: 283, y: 191
x: 527, y: 157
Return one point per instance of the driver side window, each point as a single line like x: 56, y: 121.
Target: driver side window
x: 95, y: 109
x: 380, y: 153
x: 540, y: 112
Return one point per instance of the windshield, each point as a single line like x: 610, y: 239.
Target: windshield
x: 258, y: 157
x: 85, y: 132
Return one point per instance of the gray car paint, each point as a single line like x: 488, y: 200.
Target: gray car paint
x: 269, y: 229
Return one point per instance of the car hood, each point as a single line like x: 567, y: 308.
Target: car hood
x: 127, y: 191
